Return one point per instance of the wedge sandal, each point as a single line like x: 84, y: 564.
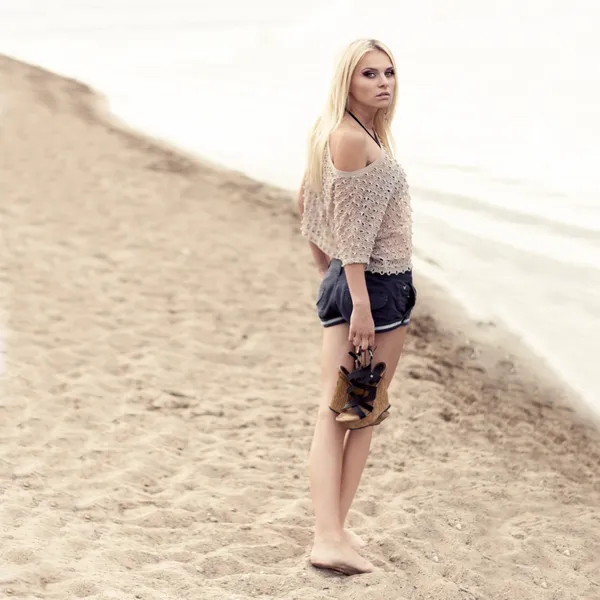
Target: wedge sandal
x: 367, y: 403
x: 341, y: 396
x: 344, y: 384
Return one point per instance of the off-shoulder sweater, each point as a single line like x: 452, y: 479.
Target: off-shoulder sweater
x: 362, y: 216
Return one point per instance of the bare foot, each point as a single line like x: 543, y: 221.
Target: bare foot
x: 339, y: 557
x: 354, y: 539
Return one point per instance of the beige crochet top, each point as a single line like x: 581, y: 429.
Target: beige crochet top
x: 362, y: 216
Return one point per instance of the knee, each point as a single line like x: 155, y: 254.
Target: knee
x: 327, y: 419
x: 325, y: 414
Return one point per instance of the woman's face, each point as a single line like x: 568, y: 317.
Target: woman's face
x: 373, y: 82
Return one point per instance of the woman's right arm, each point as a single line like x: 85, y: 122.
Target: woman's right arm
x: 321, y: 259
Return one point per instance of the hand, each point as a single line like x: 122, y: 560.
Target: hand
x: 362, y: 327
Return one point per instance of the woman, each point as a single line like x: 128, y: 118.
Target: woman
x: 356, y: 214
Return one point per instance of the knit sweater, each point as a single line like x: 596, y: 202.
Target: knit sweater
x: 362, y: 216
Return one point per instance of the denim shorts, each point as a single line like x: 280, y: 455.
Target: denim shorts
x: 392, y: 298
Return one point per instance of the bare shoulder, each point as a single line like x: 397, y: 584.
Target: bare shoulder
x: 348, y: 149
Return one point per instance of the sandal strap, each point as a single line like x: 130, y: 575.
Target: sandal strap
x: 363, y: 381
x: 356, y: 400
x: 366, y: 387
x: 363, y: 388
x: 366, y: 378
x: 357, y: 355
x: 358, y: 411
x: 357, y: 405
x: 360, y: 375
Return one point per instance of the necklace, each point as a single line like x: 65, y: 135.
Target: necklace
x: 375, y: 138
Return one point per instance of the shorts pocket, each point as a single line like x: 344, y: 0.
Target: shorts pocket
x: 324, y: 285
x: 404, y: 297
x: 414, y: 290
x: 321, y: 290
x: 378, y: 299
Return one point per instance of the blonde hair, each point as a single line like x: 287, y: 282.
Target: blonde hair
x: 332, y: 115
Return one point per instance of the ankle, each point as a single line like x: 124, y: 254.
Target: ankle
x: 329, y: 535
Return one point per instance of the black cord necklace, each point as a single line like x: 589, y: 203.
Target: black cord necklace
x: 375, y: 138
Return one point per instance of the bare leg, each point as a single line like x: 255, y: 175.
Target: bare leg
x: 331, y: 548
x: 356, y: 448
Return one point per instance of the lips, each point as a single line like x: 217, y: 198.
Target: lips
x: 383, y: 95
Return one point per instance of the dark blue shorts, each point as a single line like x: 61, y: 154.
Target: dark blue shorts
x: 392, y: 298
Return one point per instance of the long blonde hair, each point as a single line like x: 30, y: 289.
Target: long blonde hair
x: 332, y: 115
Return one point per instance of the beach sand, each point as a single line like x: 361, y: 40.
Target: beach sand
x: 160, y: 384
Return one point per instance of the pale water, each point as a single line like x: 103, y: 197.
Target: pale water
x: 498, y: 125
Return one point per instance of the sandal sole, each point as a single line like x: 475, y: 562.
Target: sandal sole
x: 384, y: 415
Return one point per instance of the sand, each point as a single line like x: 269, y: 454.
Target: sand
x: 161, y: 358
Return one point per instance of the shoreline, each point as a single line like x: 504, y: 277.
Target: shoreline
x: 499, y: 333
x: 126, y: 264
x: 528, y: 351
x: 97, y: 105
x: 549, y: 365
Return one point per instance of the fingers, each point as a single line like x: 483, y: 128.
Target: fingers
x: 361, y: 341
x: 365, y: 340
x: 362, y: 334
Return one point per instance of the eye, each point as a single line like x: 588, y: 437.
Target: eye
x: 369, y: 74
x: 390, y: 73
